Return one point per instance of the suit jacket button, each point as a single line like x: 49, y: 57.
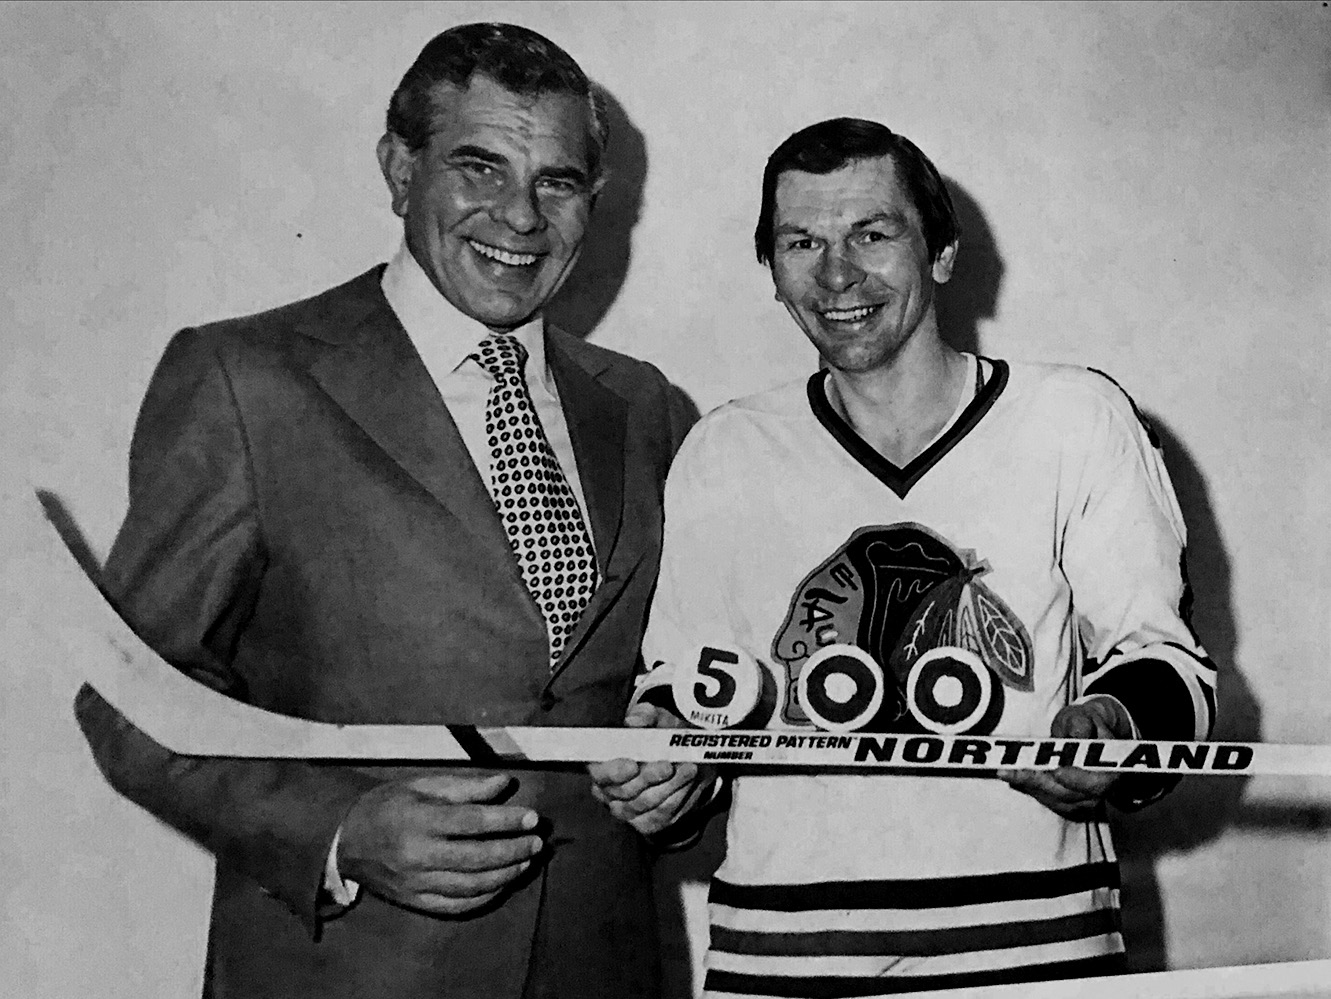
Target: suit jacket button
x: 548, y: 700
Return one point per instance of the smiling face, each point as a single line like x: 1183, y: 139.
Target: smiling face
x: 496, y: 204
x: 850, y: 263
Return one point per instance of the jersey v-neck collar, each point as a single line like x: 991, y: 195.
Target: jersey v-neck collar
x: 900, y: 480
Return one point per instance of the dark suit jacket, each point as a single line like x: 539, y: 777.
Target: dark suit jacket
x: 307, y: 532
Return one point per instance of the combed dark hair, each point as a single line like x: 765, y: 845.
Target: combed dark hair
x: 831, y: 145
x: 516, y: 58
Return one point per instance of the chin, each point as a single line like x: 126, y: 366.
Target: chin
x: 506, y: 322
x: 504, y: 313
x: 857, y: 362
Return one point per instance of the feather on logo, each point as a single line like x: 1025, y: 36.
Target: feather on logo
x: 919, y: 608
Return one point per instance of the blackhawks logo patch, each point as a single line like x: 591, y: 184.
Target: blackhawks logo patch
x: 897, y: 631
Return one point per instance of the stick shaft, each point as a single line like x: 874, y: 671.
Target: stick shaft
x: 194, y: 720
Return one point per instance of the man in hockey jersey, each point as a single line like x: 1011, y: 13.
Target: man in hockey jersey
x: 999, y: 539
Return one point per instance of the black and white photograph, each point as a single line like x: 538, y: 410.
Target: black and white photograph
x: 672, y: 500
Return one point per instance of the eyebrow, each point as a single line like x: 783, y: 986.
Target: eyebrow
x: 893, y: 216
x: 476, y: 153
x: 484, y: 155
x: 565, y: 173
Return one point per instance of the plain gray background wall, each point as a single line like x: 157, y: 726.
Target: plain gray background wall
x: 1145, y: 190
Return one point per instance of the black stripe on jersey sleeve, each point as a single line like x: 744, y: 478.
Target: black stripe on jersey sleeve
x: 1208, y: 695
x: 917, y: 943
x: 825, y: 987
x: 661, y: 696
x: 1207, y: 664
x: 1204, y: 661
x: 922, y: 893
x: 1157, y: 698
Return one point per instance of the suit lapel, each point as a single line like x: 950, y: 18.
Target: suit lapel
x: 597, y: 424
x: 366, y: 364
x: 372, y: 371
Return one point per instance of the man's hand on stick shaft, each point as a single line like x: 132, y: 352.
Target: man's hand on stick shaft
x: 1073, y: 792
x: 650, y: 796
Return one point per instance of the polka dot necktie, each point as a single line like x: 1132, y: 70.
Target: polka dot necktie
x: 535, y: 501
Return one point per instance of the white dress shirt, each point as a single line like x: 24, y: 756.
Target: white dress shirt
x: 445, y: 338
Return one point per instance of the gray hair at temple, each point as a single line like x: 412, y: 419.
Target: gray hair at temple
x: 516, y: 58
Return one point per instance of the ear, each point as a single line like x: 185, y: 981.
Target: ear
x: 598, y: 185
x: 942, y: 267
x: 397, y: 163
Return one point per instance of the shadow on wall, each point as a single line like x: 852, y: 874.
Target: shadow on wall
x: 600, y: 272
x: 599, y: 275
x: 1201, y: 808
x: 971, y: 296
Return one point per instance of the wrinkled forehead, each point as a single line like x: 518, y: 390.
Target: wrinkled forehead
x: 486, y: 109
x: 858, y: 190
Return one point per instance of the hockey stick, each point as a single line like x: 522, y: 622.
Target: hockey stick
x: 1294, y: 979
x: 191, y: 719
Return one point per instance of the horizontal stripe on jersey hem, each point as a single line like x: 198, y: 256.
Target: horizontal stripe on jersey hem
x: 824, y: 987
x: 918, y: 943
x: 878, y: 965
x: 888, y: 920
x: 922, y: 893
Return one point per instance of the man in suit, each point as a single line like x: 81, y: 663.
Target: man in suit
x: 408, y: 500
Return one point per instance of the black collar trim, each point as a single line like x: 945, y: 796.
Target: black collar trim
x: 900, y: 480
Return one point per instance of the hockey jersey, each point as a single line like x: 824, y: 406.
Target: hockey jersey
x: 1030, y: 556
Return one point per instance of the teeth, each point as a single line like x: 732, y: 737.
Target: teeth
x: 849, y: 315
x: 503, y: 256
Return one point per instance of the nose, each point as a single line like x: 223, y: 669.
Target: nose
x: 837, y: 270
x: 517, y: 207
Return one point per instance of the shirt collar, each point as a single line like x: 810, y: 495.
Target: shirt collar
x: 446, y: 334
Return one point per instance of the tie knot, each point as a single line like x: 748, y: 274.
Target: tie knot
x: 502, y: 356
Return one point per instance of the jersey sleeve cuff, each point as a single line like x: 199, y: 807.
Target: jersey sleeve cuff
x: 654, y: 687
x: 342, y: 891
x: 1161, y: 700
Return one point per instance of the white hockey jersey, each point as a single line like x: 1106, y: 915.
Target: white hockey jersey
x: 1030, y: 556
